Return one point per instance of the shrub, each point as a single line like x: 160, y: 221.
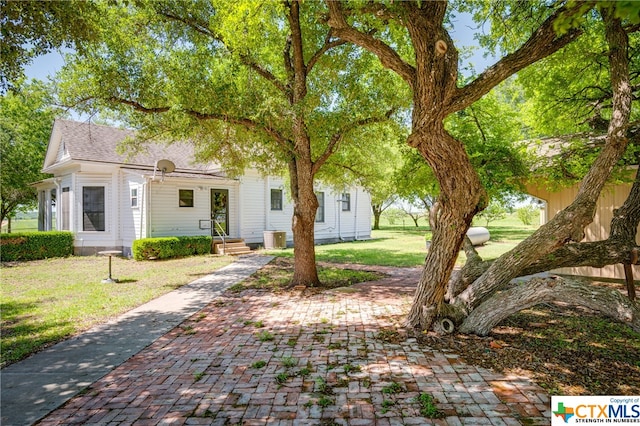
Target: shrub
x: 494, y: 211
x: 527, y: 214
x: 35, y: 245
x: 169, y: 247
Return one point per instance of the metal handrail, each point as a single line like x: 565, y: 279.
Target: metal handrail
x: 215, y: 226
x: 221, y: 233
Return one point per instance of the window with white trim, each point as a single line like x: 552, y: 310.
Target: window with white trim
x: 276, y: 199
x: 320, y: 211
x: 185, y: 197
x: 93, y: 208
x: 346, y: 202
x: 134, y: 198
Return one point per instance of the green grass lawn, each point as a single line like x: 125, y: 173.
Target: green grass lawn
x: 404, y: 246
x: 22, y: 225
x: 46, y: 301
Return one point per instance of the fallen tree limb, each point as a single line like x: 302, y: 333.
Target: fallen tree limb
x: 609, y: 302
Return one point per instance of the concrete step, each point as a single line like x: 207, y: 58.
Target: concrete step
x: 234, y: 248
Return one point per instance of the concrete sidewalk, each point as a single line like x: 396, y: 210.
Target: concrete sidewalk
x: 39, y: 384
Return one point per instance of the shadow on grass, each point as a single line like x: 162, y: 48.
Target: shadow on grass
x: 127, y: 281
x: 21, y: 335
x: 509, y: 233
x: 372, y: 256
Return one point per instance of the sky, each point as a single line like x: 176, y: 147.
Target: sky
x: 464, y: 28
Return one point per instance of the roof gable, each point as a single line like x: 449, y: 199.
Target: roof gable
x: 73, y: 141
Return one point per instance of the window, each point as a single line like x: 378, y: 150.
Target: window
x: 276, y: 199
x: 134, y: 197
x: 320, y: 211
x: 346, y: 202
x: 185, y: 197
x: 93, y: 208
x: 65, y: 208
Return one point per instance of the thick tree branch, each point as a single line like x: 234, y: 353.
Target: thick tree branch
x: 388, y: 57
x: 337, y: 137
x: 248, y: 61
x: 612, y: 303
x: 288, y: 66
x: 632, y: 28
x: 202, y: 27
x: 328, y: 44
x: 617, y: 249
x: 542, y: 43
x: 192, y: 22
x: 138, y: 106
x: 299, y: 67
x: 241, y: 121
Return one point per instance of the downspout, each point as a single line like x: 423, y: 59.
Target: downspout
x: 267, y: 203
x: 143, y: 212
x: 355, y: 216
x: 147, y: 210
x: 58, y: 182
x: 339, y: 214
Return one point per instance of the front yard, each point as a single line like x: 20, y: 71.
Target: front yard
x: 49, y: 300
x: 46, y: 301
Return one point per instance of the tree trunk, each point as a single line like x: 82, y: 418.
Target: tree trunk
x: 461, y: 197
x: 461, y: 193
x: 568, y: 225
x: 377, y: 212
x: 305, y: 206
x: 433, y: 80
x: 609, y: 302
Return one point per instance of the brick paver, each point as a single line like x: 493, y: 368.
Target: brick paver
x: 334, y: 358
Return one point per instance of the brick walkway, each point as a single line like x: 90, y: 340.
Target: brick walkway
x: 334, y: 358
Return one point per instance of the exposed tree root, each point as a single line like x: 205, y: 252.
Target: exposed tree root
x: 572, y: 291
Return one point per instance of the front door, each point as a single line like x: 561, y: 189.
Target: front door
x: 220, y: 210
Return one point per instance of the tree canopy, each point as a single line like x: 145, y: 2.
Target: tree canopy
x: 523, y: 33
x: 265, y: 86
x: 26, y: 117
x: 33, y: 28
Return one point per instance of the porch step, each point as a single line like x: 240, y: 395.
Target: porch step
x: 232, y: 247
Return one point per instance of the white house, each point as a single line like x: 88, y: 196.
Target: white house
x: 108, y: 200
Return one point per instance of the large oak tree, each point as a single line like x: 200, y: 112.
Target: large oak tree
x: 265, y: 85
x: 430, y: 69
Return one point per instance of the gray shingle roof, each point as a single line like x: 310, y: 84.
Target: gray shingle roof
x: 98, y: 143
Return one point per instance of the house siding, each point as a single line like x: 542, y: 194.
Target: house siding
x: 66, y: 182
x: 167, y: 218
x: 132, y: 219
x: 253, y: 209
x: 258, y: 216
x: 90, y: 242
x: 612, y: 197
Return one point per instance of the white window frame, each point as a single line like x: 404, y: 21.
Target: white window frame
x: 320, y: 213
x: 279, y: 200
x: 346, y: 201
x: 193, y: 198
x: 134, y: 197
